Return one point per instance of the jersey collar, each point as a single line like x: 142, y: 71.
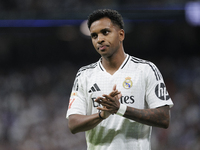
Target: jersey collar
x: 121, y: 67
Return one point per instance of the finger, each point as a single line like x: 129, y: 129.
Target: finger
x: 106, y: 103
x: 99, y: 99
x: 119, y: 95
x: 106, y: 110
x: 114, y: 87
x: 108, y: 97
x: 114, y: 93
x: 103, y: 101
x: 102, y: 108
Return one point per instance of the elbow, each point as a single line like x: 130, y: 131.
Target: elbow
x: 162, y: 124
x: 72, y: 129
x: 165, y: 125
x: 165, y: 117
x: 72, y: 125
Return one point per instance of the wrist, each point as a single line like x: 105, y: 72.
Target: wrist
x: 100, y: 116
x: 122, y: 109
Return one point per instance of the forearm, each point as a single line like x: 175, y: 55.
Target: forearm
x: 154, y: 117
x: 79, y: 123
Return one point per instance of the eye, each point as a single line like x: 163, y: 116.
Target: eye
x: 94, y: 35
x: 105, y: 32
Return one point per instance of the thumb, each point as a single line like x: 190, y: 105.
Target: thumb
x: 114, y: 87
x: 119, y: 95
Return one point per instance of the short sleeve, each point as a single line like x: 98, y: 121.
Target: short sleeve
x: 77, y: 103
x: 156, y: 91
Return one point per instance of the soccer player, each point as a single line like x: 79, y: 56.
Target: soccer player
x: 118, y: 99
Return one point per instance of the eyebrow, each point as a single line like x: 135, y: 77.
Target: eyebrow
x: 101, y: 30
x: 105, y: 29
x: 92, y: 34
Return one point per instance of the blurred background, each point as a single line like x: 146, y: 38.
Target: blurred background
x: 43, y: 44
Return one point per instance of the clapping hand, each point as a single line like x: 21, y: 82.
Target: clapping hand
x: 109, y: 102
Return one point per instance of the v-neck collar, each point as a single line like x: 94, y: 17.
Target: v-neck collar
x: 121, y: 67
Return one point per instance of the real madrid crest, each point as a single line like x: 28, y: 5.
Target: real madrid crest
x: 127, y: 84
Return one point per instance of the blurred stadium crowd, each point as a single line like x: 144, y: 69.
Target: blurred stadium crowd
x: 34, y: 101
x: 38, y: 67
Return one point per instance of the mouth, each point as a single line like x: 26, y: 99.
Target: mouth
x: 102, y: 47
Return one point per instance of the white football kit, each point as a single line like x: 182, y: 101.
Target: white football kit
x: 141, y: 85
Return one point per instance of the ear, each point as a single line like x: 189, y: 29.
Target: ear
x: 121, y: 34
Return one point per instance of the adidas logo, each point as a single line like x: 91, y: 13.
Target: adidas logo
x: 94, y: 88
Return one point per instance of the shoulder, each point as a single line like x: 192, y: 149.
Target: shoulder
x: 86, y: 69
x: 147, y: 67
x: 142, y: 62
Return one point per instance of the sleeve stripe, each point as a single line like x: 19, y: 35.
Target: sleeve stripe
x: 87, y: 67
x: 153, y: 67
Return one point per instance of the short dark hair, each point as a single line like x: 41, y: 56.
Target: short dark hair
x: 113, y: 15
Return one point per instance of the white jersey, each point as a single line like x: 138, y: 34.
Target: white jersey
x: 141, y: 85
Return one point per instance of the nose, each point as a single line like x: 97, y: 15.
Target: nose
x: 100, y: 38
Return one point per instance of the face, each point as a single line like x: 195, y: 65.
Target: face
x: 106, y: 37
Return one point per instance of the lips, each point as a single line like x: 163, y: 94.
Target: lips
x: 102, y: 47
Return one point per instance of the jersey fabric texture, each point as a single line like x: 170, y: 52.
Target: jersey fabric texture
x: 141, y: 85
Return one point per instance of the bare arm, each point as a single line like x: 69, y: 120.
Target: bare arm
x: 79, y: 123
x: 158, y: 117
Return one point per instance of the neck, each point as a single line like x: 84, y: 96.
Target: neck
x: 112, y: 64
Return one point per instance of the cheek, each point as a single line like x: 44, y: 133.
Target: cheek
x: 93, y: 43
x: 116, y: 42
